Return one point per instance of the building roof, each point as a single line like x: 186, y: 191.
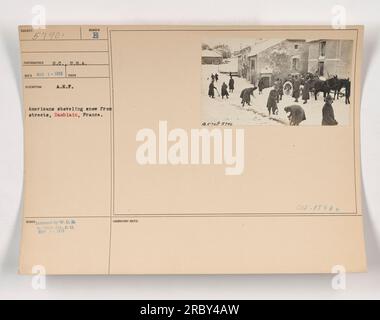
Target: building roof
x: 318, y: 40
x: 230, y: 66
x: 210, y: 54
x: 263, y: 45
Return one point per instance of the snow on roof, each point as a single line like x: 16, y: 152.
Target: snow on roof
x: 231, y: 66
x: 315, y: 40
x: 263, y: 45
x: 211, y: 54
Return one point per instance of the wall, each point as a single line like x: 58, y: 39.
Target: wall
x: 211, y: 60
x: 279, y: 59
x: 337, y: 60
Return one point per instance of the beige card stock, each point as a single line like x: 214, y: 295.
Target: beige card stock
x: 172, y: 150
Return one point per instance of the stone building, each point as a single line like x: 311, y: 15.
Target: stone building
x: 330, y: 57
x: 211, y: 57
x: 273, y: 58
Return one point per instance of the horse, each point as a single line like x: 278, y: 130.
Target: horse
x: 317, y: 86
x: 326, y: 86
x: 346, y: 84
x: 334, y: 84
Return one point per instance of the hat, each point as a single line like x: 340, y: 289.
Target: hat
x: 329, y: 98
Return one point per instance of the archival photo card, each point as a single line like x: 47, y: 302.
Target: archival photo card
x: 173, y: 149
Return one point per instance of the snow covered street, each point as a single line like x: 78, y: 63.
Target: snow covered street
x: 230, y: 110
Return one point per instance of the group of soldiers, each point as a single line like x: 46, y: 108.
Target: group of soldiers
x: 225, y: 91
x: 295, y: 113
x: 297, y: 82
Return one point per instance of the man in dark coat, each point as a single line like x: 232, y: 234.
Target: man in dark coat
x: 347, y: 86
x: 224, y: 90
x: 296, y: 114
x: 328, y: 117
x: 231, y: 84
x: 272, y: 102
x: 296, y: 88
x: 261, y: 85
x: 211, y: 89
x: 306, y: 91
x: 246, y: 94
x: 216, y: 77
x: 280, y: 92
x: 280, y: 89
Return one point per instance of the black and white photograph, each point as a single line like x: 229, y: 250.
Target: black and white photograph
x: 296, y: 82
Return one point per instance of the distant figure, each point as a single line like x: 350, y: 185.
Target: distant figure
x: 211, y: 89
x: 246, y: 94
x: 328, y: 117
x: 296, y: 88
x: 281, y: 90
x: 261, y: 85
x: 306, y: 92
x: 216, y: 77
x: 212, y: 77
x: 347, y: 86
x: 272, y: 102
x: 296, y: 114
x: 231, y: 84
x: 224, y: 91
x: 278, y: 85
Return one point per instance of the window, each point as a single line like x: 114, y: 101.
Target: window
x: 322, y: 48
x: 321, y: 68
x: 296, y: 46
x: 295, y: 63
